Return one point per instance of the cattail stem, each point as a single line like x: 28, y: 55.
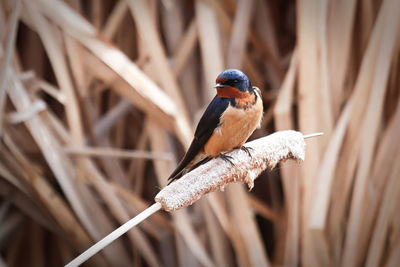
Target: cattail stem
x: 312, y: 135
x: 114, y: 235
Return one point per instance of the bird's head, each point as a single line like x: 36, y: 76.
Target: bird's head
x: 233, y: 83
x: 233, y: 78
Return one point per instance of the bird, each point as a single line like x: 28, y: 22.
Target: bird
x: 229, y: 120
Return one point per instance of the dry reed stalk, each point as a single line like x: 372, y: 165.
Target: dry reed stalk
x: 347, y: 164
x: 108, y: 120
x: 185, y: 48
x: 12, y: 179
x: 387, y: 210
x: 108, y: 152
x: 51, y: 199
x: 116, y: 207
x: 219, y: 209
x: 6, y: 57
x: 150, y: 97
x: 323, y: 188
x: 226, y: 24
x: 245, y: 220
x: 368, y: 15
x: 136, y: 168
x: 262, y: 210
x: 33, y: 110
x: 340, y: 25
x: 265, y: 28
x: 185, y: 229
x: 10, y: 224
x: 290, y: 174
x: 75, y: 58
x: 310, y: 73
x: 52, y: 91
x: 30, y: 208
x: 370, y: 128
x: 181, y: 220
x: 219, y: 244
x: 51, y: 38
x: 114, y: 19
x: 147, y: 30
x: 384, y: 162
x: 181, y: 45
x: 210, y: 44
x: 184, y: 257
x: 94, y: 62
x: 77, y: 196
x: 161, y: 113
x: 238, y: 41
x: 326, y: 116
x: 245, y: 223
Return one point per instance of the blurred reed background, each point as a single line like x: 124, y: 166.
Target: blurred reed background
x: 99, y: 99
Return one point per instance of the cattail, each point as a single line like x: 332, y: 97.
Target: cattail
x: 265, y: 152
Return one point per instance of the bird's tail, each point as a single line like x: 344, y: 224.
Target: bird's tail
x: 184, y: 168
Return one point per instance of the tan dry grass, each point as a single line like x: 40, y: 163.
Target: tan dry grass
x: 98, y: 100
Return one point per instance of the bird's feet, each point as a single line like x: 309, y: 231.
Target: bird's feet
x: 226, y: 158
x: 247, y: 150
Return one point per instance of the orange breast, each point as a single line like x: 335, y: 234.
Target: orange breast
x: 237, y: 124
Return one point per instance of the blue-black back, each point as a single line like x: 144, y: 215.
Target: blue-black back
x: 207, y: 124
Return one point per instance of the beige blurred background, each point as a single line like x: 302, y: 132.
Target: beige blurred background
x: 99, y: 101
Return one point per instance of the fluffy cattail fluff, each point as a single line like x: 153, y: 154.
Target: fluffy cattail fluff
x: 265, y: 152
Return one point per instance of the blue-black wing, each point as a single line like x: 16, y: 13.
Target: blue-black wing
x: 207, y: 124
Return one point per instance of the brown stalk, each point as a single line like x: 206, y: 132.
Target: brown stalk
x: 370, y: 128
x: 97, y: 104
x: 6, y: 57
x: 77, y: 195
x: 210, y: 43
x: 290, y: 174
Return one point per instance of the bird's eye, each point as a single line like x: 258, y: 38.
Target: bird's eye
x: 235, y: 81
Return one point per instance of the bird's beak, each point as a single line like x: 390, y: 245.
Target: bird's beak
x: 218, y: 85
x: 257, y: 89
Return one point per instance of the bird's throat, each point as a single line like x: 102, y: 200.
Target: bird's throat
x: 232, y: 92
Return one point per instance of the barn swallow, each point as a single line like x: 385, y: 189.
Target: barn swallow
x: 229, y: 120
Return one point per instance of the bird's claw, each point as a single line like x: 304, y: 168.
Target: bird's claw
x: 226, y: 158
x: 247, y: 150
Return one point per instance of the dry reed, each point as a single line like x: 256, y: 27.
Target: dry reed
x: 98, y: 101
